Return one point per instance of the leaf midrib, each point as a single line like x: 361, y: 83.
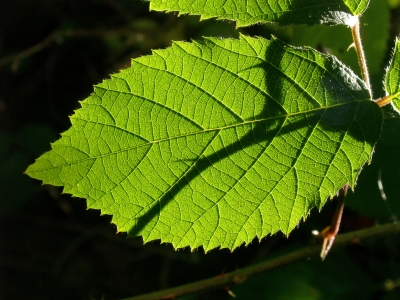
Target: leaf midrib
x: 193, y: 133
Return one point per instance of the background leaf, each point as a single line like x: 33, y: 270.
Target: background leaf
x: 249, y: 12
x: 214, y: 143
x: 392, y: 79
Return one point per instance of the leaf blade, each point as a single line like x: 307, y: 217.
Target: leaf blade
x: 251, y: 12
x: 392, y: 79
x: 243, y: 146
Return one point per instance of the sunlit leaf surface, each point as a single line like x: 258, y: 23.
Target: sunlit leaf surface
x: 393, y: 77
x: 216, y: 142
x: 249, y: 12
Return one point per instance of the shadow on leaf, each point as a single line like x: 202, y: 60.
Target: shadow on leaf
x: 287, y: 131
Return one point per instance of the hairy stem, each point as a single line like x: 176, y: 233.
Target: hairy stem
x: 386, y: 100
x: 240, y: 275
x: 355, y: 31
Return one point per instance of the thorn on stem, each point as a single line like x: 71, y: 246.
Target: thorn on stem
x: 352, y: 45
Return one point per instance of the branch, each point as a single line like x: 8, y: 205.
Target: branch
x: 239, y: 276
x: 16, y: 59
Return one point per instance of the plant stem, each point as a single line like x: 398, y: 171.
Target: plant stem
x: 355, y: 31
x: 386, y: 100
x: 239, y: 276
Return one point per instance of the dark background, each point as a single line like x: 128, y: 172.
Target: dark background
x: 51, y: 247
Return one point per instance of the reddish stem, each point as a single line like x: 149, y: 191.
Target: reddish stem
x: 329, y: 233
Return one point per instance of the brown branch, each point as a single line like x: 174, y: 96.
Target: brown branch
x: 239, y: 276
x: 16, y: 58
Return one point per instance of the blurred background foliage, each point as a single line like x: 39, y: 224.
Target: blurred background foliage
x: 52, y: 52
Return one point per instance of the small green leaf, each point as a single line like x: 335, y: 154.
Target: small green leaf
x: 357, y: 7
x: 249, y: 12
x: 216, y: 142
x: 392, y: 79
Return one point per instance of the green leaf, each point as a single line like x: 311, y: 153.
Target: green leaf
x: 392, y: 80
x: 357, y: 7
x: 249, y: 12
x: 216, y: 142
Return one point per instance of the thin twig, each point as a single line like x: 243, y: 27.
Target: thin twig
x: 58, y: 34
x: 239, y: 276
x: 329, y: 233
